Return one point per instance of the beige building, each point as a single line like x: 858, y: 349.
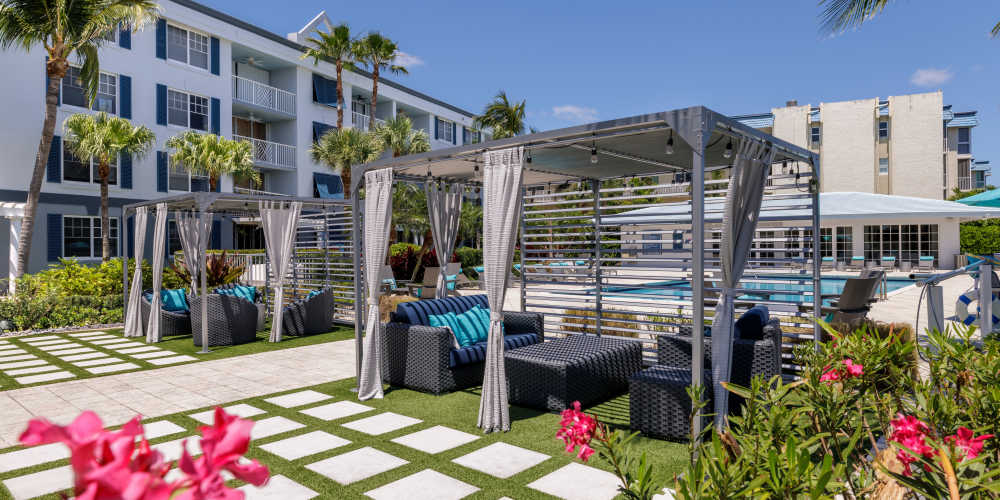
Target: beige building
x: 910, y: 145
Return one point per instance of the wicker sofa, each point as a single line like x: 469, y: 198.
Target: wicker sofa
x: 171, y: 322
x: 258, y: 301
x: 425, y: 358
x: 310, y: 315
x: 231, y: 320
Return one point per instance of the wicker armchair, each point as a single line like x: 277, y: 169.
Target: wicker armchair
x: 231, y: 320
x: 171, y: 322
x: 257, y: 301
x: 425, y: 358
x: 309, y: 316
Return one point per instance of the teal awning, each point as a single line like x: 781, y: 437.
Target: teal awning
x: 328, y: 186
x: 984, y: 199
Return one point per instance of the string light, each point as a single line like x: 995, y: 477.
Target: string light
x: 593, y: 153
x: 670, y: 144
x: 729, y: 150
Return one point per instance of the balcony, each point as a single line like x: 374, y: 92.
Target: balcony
x: 270, y: 154
x: 964, y: 183
x: 363, y: 122
x: 256, y: 192
x: 263, y: 97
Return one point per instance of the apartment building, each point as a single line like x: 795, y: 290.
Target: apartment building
x: 909, y: 145
x: 195, y: 69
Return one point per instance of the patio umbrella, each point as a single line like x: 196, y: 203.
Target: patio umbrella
x: 985, y: 199
x: 133, y: 320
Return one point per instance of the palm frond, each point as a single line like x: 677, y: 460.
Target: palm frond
x: 841, y: 15
x: 996, y: 31
x: 502, y: 117
x: 104, y: 137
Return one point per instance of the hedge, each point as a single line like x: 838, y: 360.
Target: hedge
x: 980, y: 237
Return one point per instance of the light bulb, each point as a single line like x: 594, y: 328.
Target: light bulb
x: 729, y: 150
x: 784, y: 167
x: 593, y: 155
x: 528, y: 159
x: 670, y: 144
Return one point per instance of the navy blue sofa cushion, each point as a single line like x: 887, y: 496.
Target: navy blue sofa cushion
x: 417, y: 313
x: 476, y: 353
x: 750, y: 326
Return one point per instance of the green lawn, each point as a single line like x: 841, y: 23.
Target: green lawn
x: 530, y: 429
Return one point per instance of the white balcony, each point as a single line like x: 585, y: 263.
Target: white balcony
x: 363, y: 122
x: 251, y: 92
x: 256, y: 192
x: 964, y: 183
x: 270, y: 154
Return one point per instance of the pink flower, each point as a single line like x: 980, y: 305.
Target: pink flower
x: 910, y: 432
x: 850, y: 370
x: 829, y: 375
x: 904, y: 425
x: 223, y: 445
x: 577, y: 429
x: 964, y: 440
x: 854, y: 369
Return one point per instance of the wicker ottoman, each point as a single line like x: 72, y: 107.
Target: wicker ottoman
x: 659, y: 404
x: 587, y: 369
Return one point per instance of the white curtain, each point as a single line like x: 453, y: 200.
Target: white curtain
x: 444, y: 208
x: 159, y: 244
x: 378, y: 220
x: 279, y: 226
x: 195, y: 231
x: 502, y: 188
x: 133, y: 317
x: 751, y: 167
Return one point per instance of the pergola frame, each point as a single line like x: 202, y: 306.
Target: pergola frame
x: 560, y: 156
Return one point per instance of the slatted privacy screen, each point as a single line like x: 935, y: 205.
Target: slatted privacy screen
x: 613, y: 257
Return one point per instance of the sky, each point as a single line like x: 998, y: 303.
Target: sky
x: 578, y: 62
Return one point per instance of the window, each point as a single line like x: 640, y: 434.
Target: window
x: 75, y: 169
x: 651, y: 248
x: 187, y: 110
x: 814, y: 137
x: 444, y: 130
x: 906, y: 242
x: 678, y: 240
x: 82, y: 236
x: 186, y: 46
x: 173, y: 238
x: 825, y: 242
x: 764, y: 240
x: 470, y: 136
x: 883, y: 129
x: 74, y: 94
x: 883, y: 166
x: 179, y: 179
x: 107, y: 93
x: 845, y: 243
x: 964, y: 140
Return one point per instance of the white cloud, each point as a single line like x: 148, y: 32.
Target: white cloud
x: 931, y: 77
x: 408, y: 60
x: 575, y: 113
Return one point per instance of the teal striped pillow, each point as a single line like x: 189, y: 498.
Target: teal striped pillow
x: 483, y: 315
x: 450, y: 321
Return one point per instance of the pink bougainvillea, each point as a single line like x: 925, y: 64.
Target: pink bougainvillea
x: 849, y: 370
x: 910, y: 432
x: 967, y: 442
x: 576, y: 430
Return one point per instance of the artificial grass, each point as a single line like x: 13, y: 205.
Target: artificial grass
x: 180, y: 344
x: 529, y: 429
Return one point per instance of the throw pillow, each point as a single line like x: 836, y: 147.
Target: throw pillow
x: 450, y: 321
x: 313, y: 293
x: 174, y: 300
x: 750, y: 326
x: 473, y: 326
x: 483, y: 315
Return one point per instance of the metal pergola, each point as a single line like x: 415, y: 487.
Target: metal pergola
x: 569, y: 200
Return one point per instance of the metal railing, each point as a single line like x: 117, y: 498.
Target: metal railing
x: 256, y: 192
x: 270, y: 154
x: 363, y: 121
x: 964, y: 183
x: 263, y: 95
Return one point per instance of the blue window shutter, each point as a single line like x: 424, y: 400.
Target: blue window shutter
x: 161, y: 38
x: 465, y: 135
x: 125, y: 97
x: 453, y: 138
x: 161, y: 171
x: 215, y: 55
x: 55, y: 234
x: 216, y: 116
x: 54, y: 172
x: 130, y: 237
x: 437, y: 134
x: 218, y: 185
x: 124, y: 37
x: 318, y: 88
x: 161, y: 104
x: 331, y: 92
x: 217, y: 234
x: 125, y: 167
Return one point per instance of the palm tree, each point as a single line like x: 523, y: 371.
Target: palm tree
x: 840, y: 15
x: 342, y: 148
x: 336, y: 46
x: 502, y: 117
x: 378, y: 53
x: 470, y: 224
x: 409, y: 211
x: 64, y: 28
x: 104, y: 138
x: 399, y: 136
x: 214, y: 156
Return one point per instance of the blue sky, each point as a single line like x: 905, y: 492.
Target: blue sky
x: 576, y: 62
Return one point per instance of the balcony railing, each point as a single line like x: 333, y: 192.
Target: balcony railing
x: 270, y: 154
x: 363, y: 122
x: 259, y: 94
x: 256, y: 192
x: 964, y: 183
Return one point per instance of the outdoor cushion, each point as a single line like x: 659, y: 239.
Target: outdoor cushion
x: 458, y: 329
x: 482, y: 315
x: 750, y: 326
x: 174, y: 300
x: 926, y: 257
x: 314, y: 293
x: 418, y: 312
x: 476, y: 353
x: 450, y: 280
x: 247, y: 292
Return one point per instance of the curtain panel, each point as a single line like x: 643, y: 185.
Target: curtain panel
x: 133, y: 316
x: 444, y: 206
x: 377, y: 224
x: 279, y: 224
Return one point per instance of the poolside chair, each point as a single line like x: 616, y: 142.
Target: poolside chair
x: 827, y: 264
x: 857, y: 263
x: 310, y: 315
x: 888, y: 262
x: 854, y: 301
x: 389, y: 283
x: 926, y: 263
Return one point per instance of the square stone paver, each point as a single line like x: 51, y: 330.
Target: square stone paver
x: 272, y: 426
x: 302, y: 446
x: 13, y: 351
x: 19, y: 357
x: 144, y: 348
x: 578, y: 482
x: 78, y: 357
x: 43, y: 377
x: 424, y: 485
x: 241, y: 410
x: 160, y: 428
x: 125, y: 345
x: 40, y: 483
x: 501, y: 459
x: 333, y: 411
x: 172, y: 360
x: 57, y: 347
x: 115, y: 340
x: 382, y: 423
x: 278, y: 488
x: 41, y: 340
x: 436, y: 439
x: 152, y: 354
x: 356, y: 465
x: 91, y: 338
x: 86, y: 334
x: 33, y: 369
x: 33, y: 456
x: 98, y: 361
x: 119, y: 367
x: 171, y: 450
x: 74, y: 350
x: 298, y: 399
x: 22, y: 364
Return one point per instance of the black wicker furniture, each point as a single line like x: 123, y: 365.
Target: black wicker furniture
x: 426, y: 358
x: 310, y: 315
x: 659, y: 404
x: 258, y: 300
x: 171, y: 322
x: 582, y: 368
x: 231, y: 320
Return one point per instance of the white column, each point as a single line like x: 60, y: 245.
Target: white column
x: 15, y: 233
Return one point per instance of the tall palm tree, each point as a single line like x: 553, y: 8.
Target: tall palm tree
x: 409, y: 211
x: 504, y: 118
x: 104, y: 138
x: 378, y: 53
x: 341, y: 148
x: 399, y: 136
x: 212, y: 155
x: 470, y: 224
x: 840, y: 15
x: 336, y: 46
x: 64, y: 28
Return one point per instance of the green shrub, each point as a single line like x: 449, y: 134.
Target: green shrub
x: 980, y: 237
x: 469, y: 257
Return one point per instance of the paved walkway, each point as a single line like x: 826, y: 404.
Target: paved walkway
x: 152, y: 393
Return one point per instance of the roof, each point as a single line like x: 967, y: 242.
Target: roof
x: 964, y: 119
x: 953, y: 119
x: 274, y: 37
x: 756, y: 121
x: 840, y: 205
x: 981, y: 165
x: 983, y: 200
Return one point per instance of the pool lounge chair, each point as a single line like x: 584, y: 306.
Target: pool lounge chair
x: 926, y: 263
x: 854, y: 301
x: 856, y: 263
x: 888, y: 262
x: 827, y: 264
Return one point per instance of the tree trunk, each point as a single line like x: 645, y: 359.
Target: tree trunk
x: 104, y: 171
x: 345, y: 177
x: 428, y: 242
x: 340, y: 95
x: 212, y: 181
x: 371, y: 120
x: 56, y: 70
